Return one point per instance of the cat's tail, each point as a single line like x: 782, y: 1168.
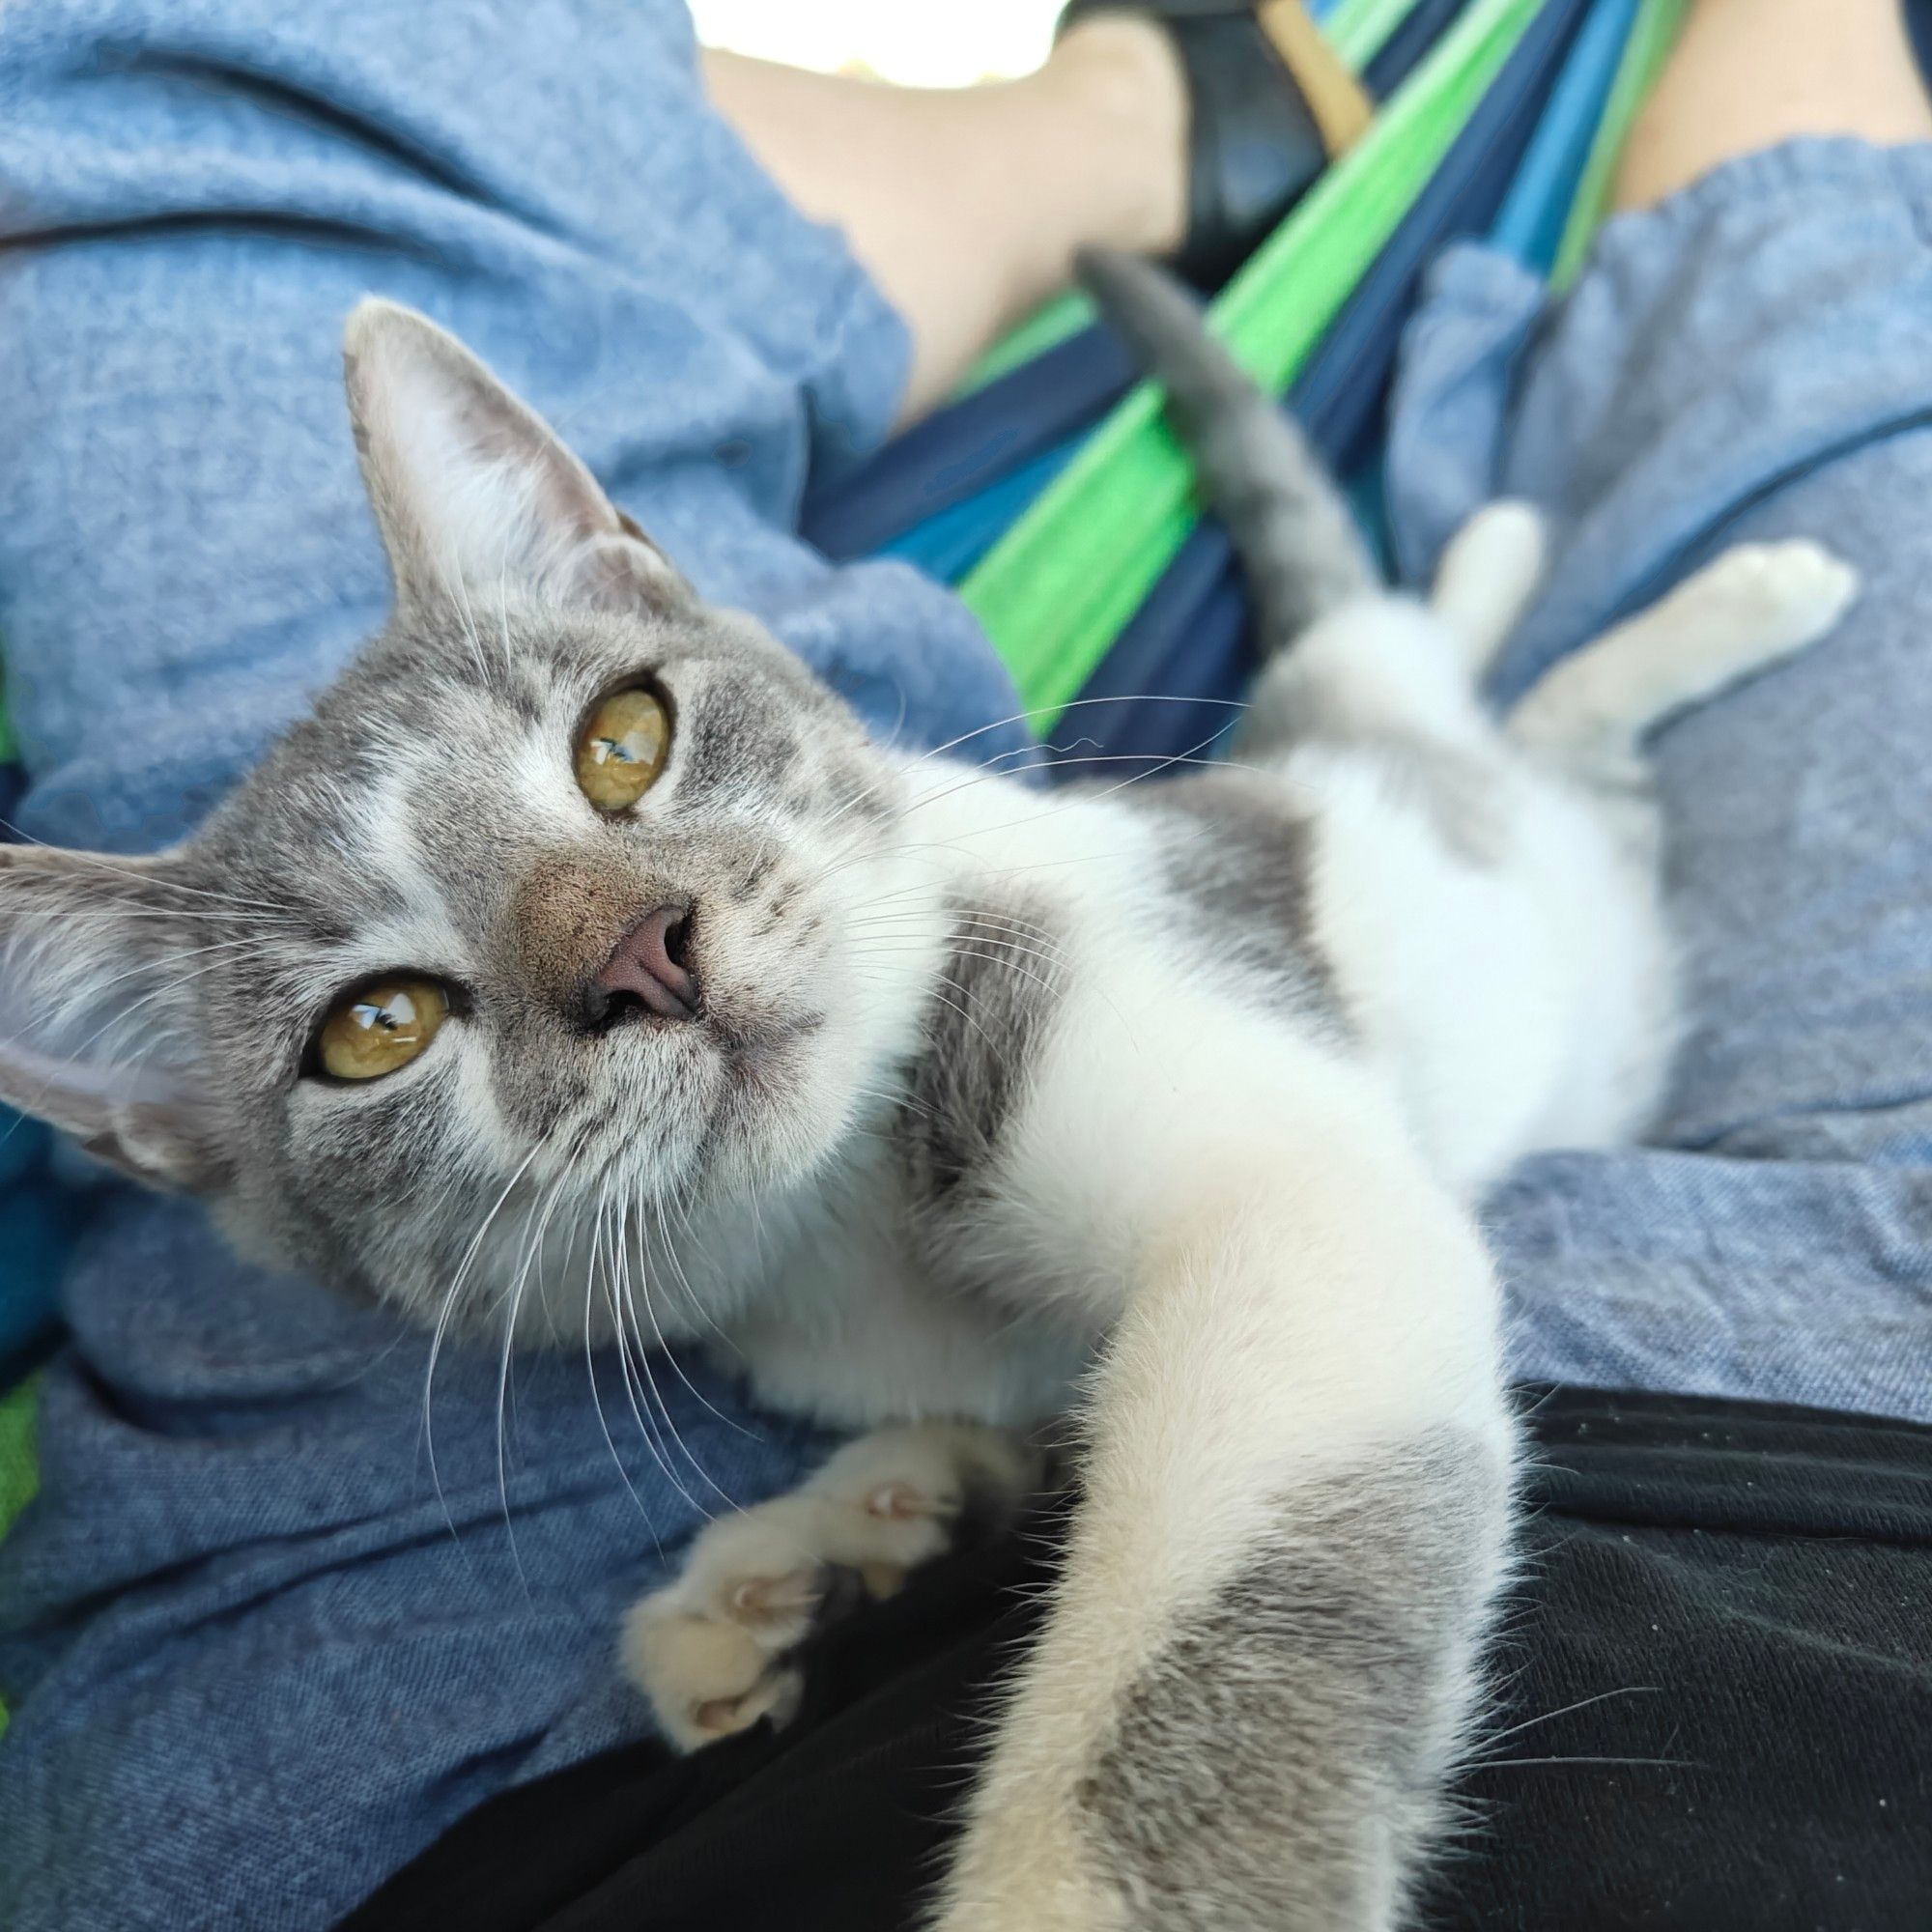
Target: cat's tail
x: 1291, y: 527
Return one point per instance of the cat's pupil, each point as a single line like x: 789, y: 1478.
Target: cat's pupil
x: 622, y: 749
x: 381, y: 1028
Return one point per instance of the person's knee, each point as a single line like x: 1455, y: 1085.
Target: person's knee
x: 1746, y: 75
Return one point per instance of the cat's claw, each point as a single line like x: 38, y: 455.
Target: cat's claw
x: 717, y: 1650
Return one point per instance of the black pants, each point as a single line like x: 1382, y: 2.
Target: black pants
x: 1714, y: 1712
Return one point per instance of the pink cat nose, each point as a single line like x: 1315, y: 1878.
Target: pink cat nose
x: 648, y: 966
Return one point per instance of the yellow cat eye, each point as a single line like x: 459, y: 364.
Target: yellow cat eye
x: 382, y: 1027
x: 622, y: 750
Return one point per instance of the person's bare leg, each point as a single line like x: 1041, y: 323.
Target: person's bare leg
x: 1748, y: 73
x: 967, y: 205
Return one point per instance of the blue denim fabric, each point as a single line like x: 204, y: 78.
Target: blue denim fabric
x: 1750, y: 360
x: 262, y: 1643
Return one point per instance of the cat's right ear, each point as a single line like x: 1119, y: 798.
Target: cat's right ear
x: 94, y: 1036
x: 473, y: 489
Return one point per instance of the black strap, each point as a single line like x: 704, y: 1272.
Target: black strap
x: 1255, y: 144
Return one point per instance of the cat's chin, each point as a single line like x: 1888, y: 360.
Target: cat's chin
x: 784, y: 1104
x: 762, y: 1062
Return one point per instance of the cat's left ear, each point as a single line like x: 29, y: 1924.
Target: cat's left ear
x: 94, y: 1011
x: 472, y: 489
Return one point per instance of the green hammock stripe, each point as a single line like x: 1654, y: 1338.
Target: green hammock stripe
x: 19, y: 1467
x: 1653, y: 33
x: 1057, y: 591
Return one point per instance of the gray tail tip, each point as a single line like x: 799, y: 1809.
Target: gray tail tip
x: 1126, y: 288
x: 1098, y: 270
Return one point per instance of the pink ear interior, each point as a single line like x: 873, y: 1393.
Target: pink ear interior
x: 472, y: 489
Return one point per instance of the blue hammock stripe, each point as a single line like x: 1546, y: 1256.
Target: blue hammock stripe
x: 948, y: 545
x: 1409, y: 45
x: 968, y: 447
x: 1530, y: 225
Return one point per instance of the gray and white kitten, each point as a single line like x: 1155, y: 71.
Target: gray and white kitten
x: 588, y: 923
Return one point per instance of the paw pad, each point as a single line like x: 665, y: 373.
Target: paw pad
x: 772, y: 1600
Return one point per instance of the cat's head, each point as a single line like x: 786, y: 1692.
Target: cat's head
x: 539, y: 923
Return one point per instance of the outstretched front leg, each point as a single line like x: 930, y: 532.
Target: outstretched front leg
x: 1261, y: 1652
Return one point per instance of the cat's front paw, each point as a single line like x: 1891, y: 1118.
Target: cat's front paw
x: 717, y: 1650
x: 713, y: 1650
x: 1786, y: 594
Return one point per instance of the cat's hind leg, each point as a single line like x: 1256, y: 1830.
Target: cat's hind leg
x: 717, y: 1649
x: 1387, y: 669
x: 1748, y: 609
x: 1490, y: 570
